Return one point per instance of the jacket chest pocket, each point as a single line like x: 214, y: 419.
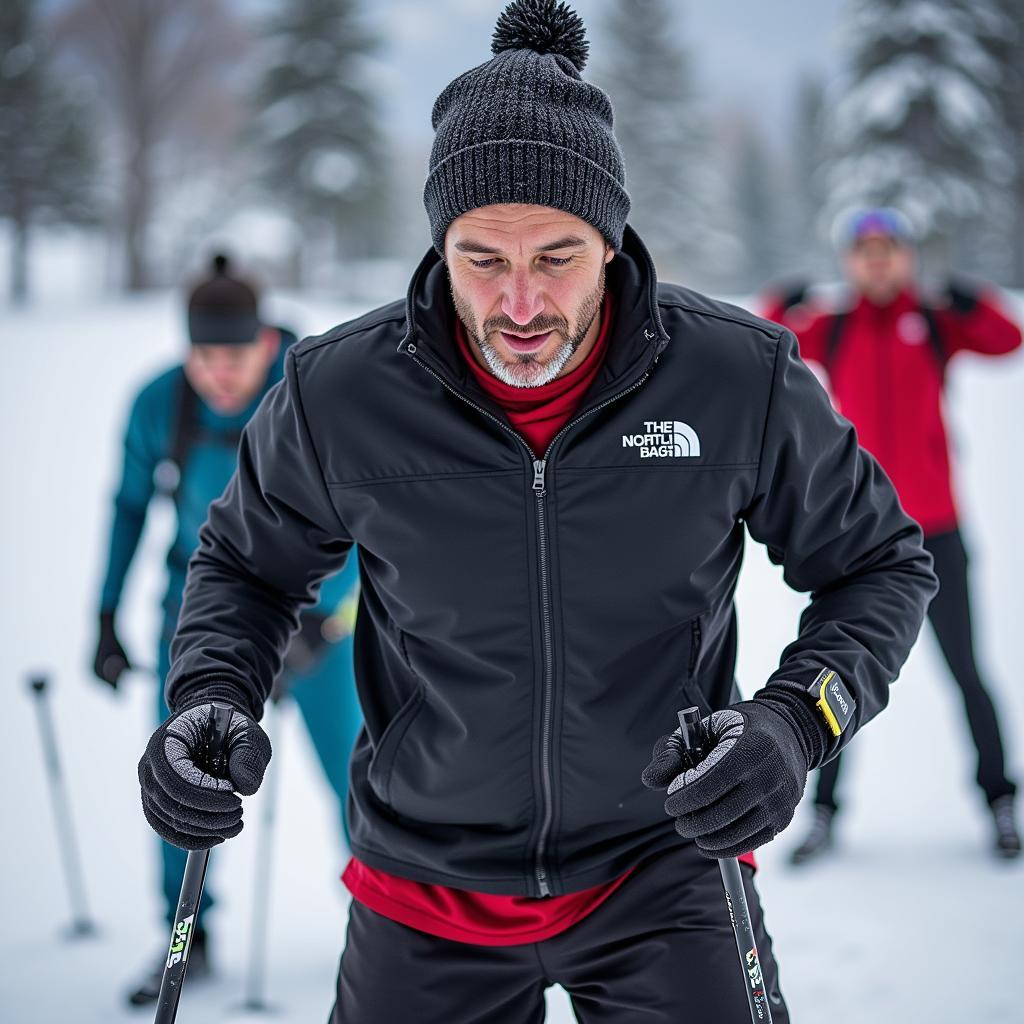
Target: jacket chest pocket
x: 379, y: 773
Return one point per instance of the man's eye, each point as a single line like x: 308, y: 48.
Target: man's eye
x: 558, y: 261
x: 484, y: 264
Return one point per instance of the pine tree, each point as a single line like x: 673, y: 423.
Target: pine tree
x: 676, y: 196
x: 317, y: 133
x: 919, y: 128
x: 46, y: 154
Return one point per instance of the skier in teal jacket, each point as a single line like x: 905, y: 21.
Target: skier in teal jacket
x: 181, y: 442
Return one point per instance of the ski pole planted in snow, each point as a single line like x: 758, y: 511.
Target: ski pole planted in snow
x: 255, y: 975
x: 81, y: 921
x: 690, y: 745
x: 214, y: 763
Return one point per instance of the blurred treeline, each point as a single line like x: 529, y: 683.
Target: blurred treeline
x: 158, y: 125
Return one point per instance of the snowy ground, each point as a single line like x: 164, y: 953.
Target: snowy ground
x: 911, y: 921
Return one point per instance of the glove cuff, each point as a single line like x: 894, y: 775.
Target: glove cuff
x: 793, y: 703
x: 223, y: 691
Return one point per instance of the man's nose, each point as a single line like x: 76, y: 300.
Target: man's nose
x: 522, y: 300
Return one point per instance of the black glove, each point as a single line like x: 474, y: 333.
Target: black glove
x: 793, y: 293
x: 746, y: 789
x: 110, y: 661
x: 183, y: 803
x: 962, y: 296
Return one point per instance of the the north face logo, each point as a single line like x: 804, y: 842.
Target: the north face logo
x: 664, y: 439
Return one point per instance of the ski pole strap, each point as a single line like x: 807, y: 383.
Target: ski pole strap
x: 213, y: 759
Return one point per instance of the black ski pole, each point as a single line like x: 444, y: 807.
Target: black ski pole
x: 254, y: 1001
x: 691, y: 746
x: 81, y: 921
x: 213, y: 761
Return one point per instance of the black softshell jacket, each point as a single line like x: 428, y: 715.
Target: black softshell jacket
x: 528, y: 627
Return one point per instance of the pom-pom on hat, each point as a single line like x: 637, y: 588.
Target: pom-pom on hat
x: 222, y: 309
x: 524, y: 127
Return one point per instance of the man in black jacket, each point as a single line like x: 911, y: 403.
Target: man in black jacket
x: 548, y: 461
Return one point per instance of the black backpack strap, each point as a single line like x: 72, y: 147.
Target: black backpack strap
x: 935, y: 337
x: 186, y: 428
x: 835, y: 337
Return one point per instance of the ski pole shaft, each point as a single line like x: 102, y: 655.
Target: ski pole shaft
x: 691, y: 746
x: 214, y: 762
x: 256, y: 973
x: 81, y: 920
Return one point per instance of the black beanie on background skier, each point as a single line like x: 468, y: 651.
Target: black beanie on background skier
x: 185, y: 805
x: 222, y: 309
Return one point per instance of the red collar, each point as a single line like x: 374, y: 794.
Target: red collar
x: 539, y: 413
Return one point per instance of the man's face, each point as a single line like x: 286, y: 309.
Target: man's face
x: 527, y: 282
x: 879, y: 267
x: 228, y: 377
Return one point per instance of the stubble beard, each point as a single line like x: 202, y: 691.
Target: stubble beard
x: 526, y: 371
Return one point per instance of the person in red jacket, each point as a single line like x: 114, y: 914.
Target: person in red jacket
x: 886, y: 354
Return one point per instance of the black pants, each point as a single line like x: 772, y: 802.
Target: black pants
x: 659, y: 950
x: 950, y: 616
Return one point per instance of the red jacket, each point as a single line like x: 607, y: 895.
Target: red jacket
x: 886, y: 377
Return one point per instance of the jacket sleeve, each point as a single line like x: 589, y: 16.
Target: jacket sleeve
x: 142, y: 451
x: 266, y: 545
x: 830, y: 516
x: 980, y: 326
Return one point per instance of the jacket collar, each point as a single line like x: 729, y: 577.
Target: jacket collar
x: 638, y: 334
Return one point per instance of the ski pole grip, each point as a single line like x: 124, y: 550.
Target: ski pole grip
x: 689, y: 741
x: 215, y: 748
x: 38, y: 684
x: 690, y: 732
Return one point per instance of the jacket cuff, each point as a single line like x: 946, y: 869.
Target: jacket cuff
x: 215, y: 688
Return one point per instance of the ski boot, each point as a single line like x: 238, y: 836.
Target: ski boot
x: 818, y: 839
x: 148, y: 990
x: 1007, y: 837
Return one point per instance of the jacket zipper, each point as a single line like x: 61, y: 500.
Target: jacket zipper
x: 547, y: 629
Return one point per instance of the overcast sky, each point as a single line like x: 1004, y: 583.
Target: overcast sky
x: 748, y: 53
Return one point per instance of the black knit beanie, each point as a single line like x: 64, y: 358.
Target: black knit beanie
x: 525, y: 128
x: 222, y: 310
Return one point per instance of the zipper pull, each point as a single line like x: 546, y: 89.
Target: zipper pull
x: 539, y: 466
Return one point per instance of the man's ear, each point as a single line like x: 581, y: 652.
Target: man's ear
x: 609, y: 253
x: 271, y: 338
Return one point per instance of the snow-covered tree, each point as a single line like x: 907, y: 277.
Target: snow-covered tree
x: 317, y: 134
x: 46, y: 150
x: 920, y: 127
x: 161, y: 68
x: 808, y: 164
x: 1008, y: 50
x: 676, y: 195
x: 756, y: 210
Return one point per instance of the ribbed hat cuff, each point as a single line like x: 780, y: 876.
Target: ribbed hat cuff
x: 524, y: 171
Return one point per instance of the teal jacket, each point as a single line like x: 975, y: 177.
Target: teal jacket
x: 210, y: 462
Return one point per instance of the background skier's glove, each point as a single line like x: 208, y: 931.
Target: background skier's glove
x: 792, y: 293
x: 110, y: 662
x: 746, y: 789
x: 182, y: 802
x: 961, y: 295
